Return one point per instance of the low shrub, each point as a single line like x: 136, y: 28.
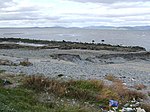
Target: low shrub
x: 25, y: 63
x: 24, y: 100
x: 40, y: 83
x: 1, y: 82
x: 94, y: 91
x: 2, y: 71
x: 135, y: 94
x: 120, y: 92
x: 79, y: 94
x: 148, y: 93
x: 92, y: 85
x: 81, y: 90
x: 139, y: 86
x: 146, y: 107
x: 111, y: 77
x: 84, y: 90
x: 65, y: 108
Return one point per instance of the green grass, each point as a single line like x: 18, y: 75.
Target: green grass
x: 149, y: 93
x: 27, y: 97
x: 24, y: 100
x: 92, y: 91
x: 1, y: 82
x: 111, y: 77
x: 2, y: 71
x: 20, y: 100
x: 85, y: 90
x: 91, y: 85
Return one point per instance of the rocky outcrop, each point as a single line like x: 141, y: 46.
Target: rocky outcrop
x: 119, y: 58
x: 128, y: 56
x: 66, y: 45
x: 10, y: 46
x: 24, y: 62
x: 66, y: 57
x: 6, y: 62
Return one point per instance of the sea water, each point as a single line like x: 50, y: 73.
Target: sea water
x: 109, y: 36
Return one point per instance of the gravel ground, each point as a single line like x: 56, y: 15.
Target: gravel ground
x: 131, y: 71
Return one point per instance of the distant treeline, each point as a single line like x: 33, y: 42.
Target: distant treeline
x: 75, y: 45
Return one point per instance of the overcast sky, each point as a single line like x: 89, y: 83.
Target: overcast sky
x: 74, y: 13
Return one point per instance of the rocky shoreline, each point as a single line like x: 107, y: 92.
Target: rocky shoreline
x: 132, y: 68
x: 127, y: 64
x: 53, y: 58
x: 18, y: 43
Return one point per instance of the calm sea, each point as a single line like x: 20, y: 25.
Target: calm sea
x: 115, y: 37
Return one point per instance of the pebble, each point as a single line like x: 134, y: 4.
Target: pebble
x: 130, y: 72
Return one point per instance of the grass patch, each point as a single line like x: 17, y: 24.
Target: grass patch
x: 2, y: 71
x: 76, y: 109
x: 146, y: 107
x: 111, y: 77
x: 25, y: 63
x: 19, y: 100
x: 84, y: 90
x: 40, y: 83
x: 26, y: 98
x: 148, y: 93
x: 1, y: 82
x: 81, y: 90
x: 93, y: 91
x: 91, y: 85
x: 139, y: 86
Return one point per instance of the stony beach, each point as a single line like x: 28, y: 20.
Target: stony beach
x: 132, y: 68
x: 96, y: 74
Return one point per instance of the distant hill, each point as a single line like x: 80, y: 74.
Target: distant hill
x: 100, y: 27
x: 138, y: 28
x: 120, y: 28
x: 89, y: 27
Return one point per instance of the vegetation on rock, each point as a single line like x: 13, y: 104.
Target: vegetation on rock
x: 66, y: 45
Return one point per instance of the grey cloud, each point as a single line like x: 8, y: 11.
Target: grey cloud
x: 32, y: 16
x: 22, y: 9
x: 26, y: 16
x: 109, y: 18
x: 137, y: 18
x: 19, y: 16
x: 109, y: 15
x: 108, y: 1
x: 5, y: 3
x: 28, y: 13
x: 83, y: 19
x: 122, y: 5
x: 125, y: 15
